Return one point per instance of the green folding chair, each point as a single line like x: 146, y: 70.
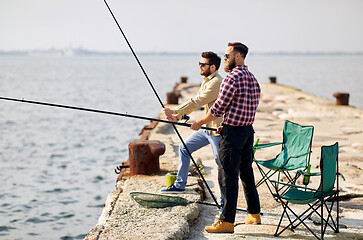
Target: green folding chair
x: 295, y: 154
x: 322, y: 198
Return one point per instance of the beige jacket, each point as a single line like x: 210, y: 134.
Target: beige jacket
x: 206, y: 96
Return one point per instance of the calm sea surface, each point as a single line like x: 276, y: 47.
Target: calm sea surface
x: 57, y: 165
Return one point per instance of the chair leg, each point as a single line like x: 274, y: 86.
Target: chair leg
x: 266, y: 179
x: 279, y: 224
x: 323, y: 222
x: 312, y: 208
x: 337, y: 198
x: 284, y: 188
x: 335, y: 224
x: 284, y: 206
x: 263, y: 174
x: 300, y: 218
x: 297, y: 175
x: 322, y: 217
x: 288, y: 176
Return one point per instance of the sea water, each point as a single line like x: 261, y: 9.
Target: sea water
x: 57, y: 165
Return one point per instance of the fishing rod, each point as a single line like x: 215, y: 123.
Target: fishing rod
x: 161, y: 103
x: 100, y: 111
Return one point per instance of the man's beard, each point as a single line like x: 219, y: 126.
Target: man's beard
x: 228, y: 66
x: 206, y: 73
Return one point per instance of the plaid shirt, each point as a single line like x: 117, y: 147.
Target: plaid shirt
x: 238, y: 98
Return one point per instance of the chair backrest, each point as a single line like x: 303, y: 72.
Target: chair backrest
x: 297, y: 141
x: 328, y: 166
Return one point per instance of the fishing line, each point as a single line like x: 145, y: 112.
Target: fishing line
x: 161, y: 103
x: 99, y: 111
x: 133, y: 53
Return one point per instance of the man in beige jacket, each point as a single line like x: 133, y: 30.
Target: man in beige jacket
x: 207, y: 94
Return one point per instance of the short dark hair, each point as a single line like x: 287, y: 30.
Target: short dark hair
x: 239, y: 47
x: 213, y: 58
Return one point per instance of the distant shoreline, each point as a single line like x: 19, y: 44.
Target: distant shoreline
x: 86, y: 52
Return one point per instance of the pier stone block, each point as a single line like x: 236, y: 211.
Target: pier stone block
x: 172, y: 97
x: 183, y: 79
x: 342, y: 98
x: 144, y: 156
x: 272, y: 79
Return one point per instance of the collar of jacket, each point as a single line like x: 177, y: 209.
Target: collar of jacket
x: 211, y: 76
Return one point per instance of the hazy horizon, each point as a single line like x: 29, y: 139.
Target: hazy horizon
x: 93, y: 51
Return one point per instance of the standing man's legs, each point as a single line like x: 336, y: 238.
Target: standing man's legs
x: 231, y: 148
x: 247, y: 177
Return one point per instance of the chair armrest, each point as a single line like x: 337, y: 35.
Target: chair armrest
x: 264, y: 145
x: 295, y: 186
x: 301, y: 172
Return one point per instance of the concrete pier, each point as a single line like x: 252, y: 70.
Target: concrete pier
x: 124, y: 219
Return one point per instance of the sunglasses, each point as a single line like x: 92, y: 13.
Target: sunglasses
x: 226, y: 56
x: 203, y: 64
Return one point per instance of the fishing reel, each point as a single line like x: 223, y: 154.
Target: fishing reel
x: 185, y: 117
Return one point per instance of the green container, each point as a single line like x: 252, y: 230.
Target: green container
x: 170, y: 178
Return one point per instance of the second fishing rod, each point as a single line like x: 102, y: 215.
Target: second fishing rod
x: 161, y: 103
x: 99, y: 111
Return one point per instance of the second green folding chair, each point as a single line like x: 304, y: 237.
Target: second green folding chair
x: 318, y: 201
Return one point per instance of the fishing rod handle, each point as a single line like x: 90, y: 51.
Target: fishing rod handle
x: 188, y: 125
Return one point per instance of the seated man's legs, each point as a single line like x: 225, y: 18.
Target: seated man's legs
x: 195, y: 141
x: 214, y: 142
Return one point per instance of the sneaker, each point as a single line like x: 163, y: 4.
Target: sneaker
x: 220, y: 227
x: 253, y: 219
x: 172, y: 189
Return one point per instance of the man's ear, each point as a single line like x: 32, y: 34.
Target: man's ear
x: 213, y: 68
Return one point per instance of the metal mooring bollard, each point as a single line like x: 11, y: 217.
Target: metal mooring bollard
x: 342, y: 98
x: 172, y: 97
x: 183, y: 79
x: 144, y: 156
x: 272, y: 79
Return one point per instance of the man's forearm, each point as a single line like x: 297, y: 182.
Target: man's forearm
x: 207, y: 118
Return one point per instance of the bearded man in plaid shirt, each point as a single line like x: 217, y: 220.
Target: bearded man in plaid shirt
x: 237, y: 102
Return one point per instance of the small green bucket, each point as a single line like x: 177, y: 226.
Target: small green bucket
x: 170, y: 178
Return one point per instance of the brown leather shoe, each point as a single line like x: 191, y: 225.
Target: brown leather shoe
x: 220, y: 227
x: 253, y: 219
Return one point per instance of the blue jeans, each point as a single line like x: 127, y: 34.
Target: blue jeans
x: 195, y: 141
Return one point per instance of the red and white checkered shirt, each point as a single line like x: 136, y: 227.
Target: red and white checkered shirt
x: 238, y: 98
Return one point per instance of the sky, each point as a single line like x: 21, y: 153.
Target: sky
x: 183, y: 26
